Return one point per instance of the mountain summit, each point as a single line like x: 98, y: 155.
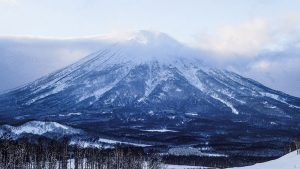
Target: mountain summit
x: 143, y: 37
x: 151, y: 83
x: 145, y: 46
x: 152, y: 38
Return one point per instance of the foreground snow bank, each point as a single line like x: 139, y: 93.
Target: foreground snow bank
x: 168, y: 166
x: 288, y: 161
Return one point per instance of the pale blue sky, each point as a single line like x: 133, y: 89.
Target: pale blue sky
x: 182, y: 19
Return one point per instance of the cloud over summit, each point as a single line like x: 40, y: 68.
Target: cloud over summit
x: 252, y: 37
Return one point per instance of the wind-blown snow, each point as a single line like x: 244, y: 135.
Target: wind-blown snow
x: 226, y: 103
x: 155, y: 80
x: 278, y: 98
x: 190, y: 73
x: 56, y: 86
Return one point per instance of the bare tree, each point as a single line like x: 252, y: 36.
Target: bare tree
x: 297, y: 144
x: 154, y: 161
x: 50, y: 154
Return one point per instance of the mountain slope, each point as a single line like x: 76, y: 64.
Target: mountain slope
x: 152, y: 82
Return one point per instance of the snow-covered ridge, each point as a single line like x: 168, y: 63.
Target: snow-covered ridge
x: 226, y: 103
x: 40, y: 128
x: 278, y: 98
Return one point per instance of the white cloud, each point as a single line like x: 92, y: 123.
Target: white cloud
x: 26, y: 59
x: 262, y: 65
x: 252, y: 37
x: 8, y: 2
x: 266, y: 50
x: 277, y: 73
x: 247, y: 39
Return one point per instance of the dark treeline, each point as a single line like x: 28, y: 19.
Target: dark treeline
x: 44, y: 153
x: 295, y: 145
x: 215, y: 162
x: 230, y: 161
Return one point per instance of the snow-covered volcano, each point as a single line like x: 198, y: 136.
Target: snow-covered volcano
x: 151, y: 82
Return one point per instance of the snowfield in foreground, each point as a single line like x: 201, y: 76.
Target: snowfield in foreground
x: 288, y: 161
x: 184, y: 167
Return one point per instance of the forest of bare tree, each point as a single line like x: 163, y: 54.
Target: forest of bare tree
x: 50, y: 154
x: 45, y: 153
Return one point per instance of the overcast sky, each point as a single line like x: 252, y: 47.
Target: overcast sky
x: 259, y: 39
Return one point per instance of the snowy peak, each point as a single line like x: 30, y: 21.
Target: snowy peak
x: 151, y: 68
x: 152, y: 38
x: 146, y: 46
x: 145, y: 37
x: 139, y: 48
